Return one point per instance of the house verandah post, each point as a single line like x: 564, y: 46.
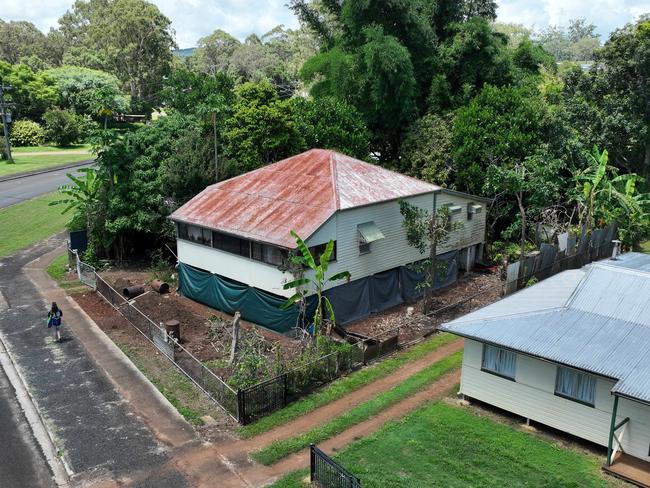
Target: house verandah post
x: 612, y: 433
x: 610, y: 441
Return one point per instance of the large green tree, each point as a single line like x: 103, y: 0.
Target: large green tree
x: 131, y: 39
x: 329, y: 123
x: 89, y: 92
x: 625, y: 61
x: 262, y: 128
x: 21, y: 39
x: 33, y: 93
x: 209, y: 97
x: 395, y: 60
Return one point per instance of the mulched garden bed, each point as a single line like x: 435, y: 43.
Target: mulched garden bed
x: 205, y: 332
x: 413, y: 324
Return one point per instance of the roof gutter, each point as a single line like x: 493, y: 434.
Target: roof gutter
x: 527, y: 354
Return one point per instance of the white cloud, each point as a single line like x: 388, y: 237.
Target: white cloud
x: 607, y: 15
x: 193, y: 19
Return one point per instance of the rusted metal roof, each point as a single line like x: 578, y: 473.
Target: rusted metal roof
x: 299, y: 193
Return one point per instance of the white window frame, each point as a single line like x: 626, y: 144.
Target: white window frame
x: 503, y: 355
x: 574, y: 395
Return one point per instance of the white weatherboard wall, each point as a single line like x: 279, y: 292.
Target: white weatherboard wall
x: 387, y: 253
x: 254, y: 273
x: 471, y: 231
x: 393, y: 250
x: 532, y: 396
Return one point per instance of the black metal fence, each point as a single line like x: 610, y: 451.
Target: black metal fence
x: 211, y: 385
x: 272, y: 394
x: 247, y: 404
x: 327, y: 473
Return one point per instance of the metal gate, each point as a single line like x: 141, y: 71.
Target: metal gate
x: 327, y: 473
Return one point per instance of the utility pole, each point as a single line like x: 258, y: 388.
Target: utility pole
x: 4, y: 113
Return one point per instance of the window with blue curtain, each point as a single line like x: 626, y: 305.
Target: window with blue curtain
x: 575, y: 385
x: 499, y: 361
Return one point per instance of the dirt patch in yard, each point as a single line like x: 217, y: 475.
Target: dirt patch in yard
x: 192, y: 404
x: 205, y: 332
x: 411, y: 321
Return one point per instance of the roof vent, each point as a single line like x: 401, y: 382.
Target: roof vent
x: 615, y: 249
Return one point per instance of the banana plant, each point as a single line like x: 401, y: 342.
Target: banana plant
x: 307, y: 286
x: 601, y: 191
x: 80, y: 196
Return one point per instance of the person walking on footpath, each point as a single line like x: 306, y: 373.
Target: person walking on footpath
x: 54, y: 317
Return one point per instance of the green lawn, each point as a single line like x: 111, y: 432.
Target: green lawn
x: 345, y: 385
x: 443, y: 445
x: 33, y: 163
x: 57, y: 271
x: 28, y: 222
x: 419, y: 381
x: 645, y: 247
x: 27, y: 149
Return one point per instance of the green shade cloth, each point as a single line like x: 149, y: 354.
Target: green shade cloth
x: 257, y: 306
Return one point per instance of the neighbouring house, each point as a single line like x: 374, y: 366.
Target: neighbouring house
x: 571, y: 352
x: 234, y: 237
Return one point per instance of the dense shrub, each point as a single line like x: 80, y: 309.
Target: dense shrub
x: 63, y: 127
x: 26, y: 133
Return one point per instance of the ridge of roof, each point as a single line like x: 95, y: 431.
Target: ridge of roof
x: 297, y: 193
x: 335, y: 182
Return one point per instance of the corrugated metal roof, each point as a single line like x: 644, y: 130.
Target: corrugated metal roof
x: 299, y: 193
x: 603, y: 326
x: 629, y: 260
x: 550, y: 293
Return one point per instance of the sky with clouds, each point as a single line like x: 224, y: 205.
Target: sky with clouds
x: 193, y: 19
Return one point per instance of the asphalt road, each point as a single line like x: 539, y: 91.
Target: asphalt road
x: 93, y: 426
x: 21, y: 189
x: 22, y: 462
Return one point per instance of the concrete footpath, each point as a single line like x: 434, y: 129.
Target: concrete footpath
x: 100, y: 434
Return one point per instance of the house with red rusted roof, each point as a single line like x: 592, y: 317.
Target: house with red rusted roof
x: 234, y: 237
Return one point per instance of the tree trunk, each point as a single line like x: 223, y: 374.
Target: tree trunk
x: 428, y: 291
x: 646, y: 159
x: 522, y: 212
x: 216, y: 158
x: 235, y: 338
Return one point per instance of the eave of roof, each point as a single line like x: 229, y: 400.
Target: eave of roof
x: 603, y: 328
x: 299, y: 193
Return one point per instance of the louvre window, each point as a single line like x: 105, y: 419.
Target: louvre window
x: 316, y: 251
x: 499, y: 361
x: 194, y: 233
x: 575, y: 385
x: 268, y: 254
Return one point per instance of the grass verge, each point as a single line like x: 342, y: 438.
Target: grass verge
x: 26, y: 223
x: 29, y: 149
x: 43, y: 161
x: 444, y: 445
x: 344, y: 386
x: 180, y: 392
x: 58, y: 270
x: 279, y: 449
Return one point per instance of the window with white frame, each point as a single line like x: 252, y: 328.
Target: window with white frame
x: 499, y: 361
x: 575, y: 385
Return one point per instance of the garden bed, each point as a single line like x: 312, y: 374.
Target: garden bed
x: 415, y: 325
x: 206, y: 333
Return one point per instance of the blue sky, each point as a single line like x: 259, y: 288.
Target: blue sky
x: 193, y: 19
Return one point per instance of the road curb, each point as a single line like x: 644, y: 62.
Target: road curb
x: 39, y: 265
x: 17, y: 176
x: 35, y: 419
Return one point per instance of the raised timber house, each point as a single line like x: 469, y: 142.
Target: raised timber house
x: 234, y: 237
x: 571, y: 352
